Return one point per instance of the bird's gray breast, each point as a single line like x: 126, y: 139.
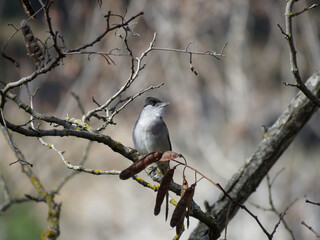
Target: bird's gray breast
x: 151, y: 136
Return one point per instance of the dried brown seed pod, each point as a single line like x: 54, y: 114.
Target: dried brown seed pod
x: 163, y: 190
x: 34, y: 50
x: 179, y: 227
x: 140, y: 164
x: 167, y: 206
x: 184, y: 203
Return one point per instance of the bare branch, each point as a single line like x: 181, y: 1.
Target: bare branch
x: 130, y: 99
x: 288, y: 34
x: 314, y: 203
x: 277, y: 225
x: 279, y: 136
x: 12, y: 144
x: 72, y: 174
x: 51, y: 31
x: 53, y: 229
x: 136, y: 70
x: 108, y: 29
x: 305, y: 9
x: 77, y: 98
x: 28, y: 109
x: 27, y: 79
x: 205, y: 53
x: 311, y: 229
x: 97, y: 137
x: 12, y: 201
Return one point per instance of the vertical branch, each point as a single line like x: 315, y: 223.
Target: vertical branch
x: 52, y: 33
x: 53, y: 230
x: 288, y: 34
x: 11, y: 142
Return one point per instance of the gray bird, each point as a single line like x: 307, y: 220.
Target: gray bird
x: 150, y: 133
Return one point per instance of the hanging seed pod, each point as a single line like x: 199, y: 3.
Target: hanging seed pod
x: 139, y: 165
x: 163, y: 190
x: 179, y: 213
x: 179, y: 227
x: 167, y: 206
x: 34, y: 50
x: 28, y: 8
x: 184, y: 202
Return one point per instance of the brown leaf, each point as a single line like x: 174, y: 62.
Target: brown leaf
x: 169, y: 155
x: 163, y: 190
x: 140, y: 164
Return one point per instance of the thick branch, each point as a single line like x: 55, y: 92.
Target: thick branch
x: 96, y: 137
x: 275, y: 142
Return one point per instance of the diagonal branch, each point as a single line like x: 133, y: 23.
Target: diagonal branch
x: 29, y: 78
x: 275, y: 142
x: 108, y: 29
x: 133, y: 76
x: 116, y: 146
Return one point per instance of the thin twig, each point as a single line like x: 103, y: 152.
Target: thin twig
x: 125, y: 86
x: 314, y: 203
x: 305, y: 9
x: 277, y: 225
x: 5, y: 188
x: 108, y: 29
x: 77, y: 98
x: 14, y: 147
x: 311, y: 229
x: 130, y: 99
x: 73, y: 173
x: 205, y: 53
x: 242, y: 206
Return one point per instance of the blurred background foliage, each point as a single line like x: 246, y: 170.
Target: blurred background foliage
x: 214, y: 118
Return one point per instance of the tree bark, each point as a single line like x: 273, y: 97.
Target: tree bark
x: 275, y: 141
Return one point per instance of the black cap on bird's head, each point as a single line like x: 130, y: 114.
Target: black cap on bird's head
x: 151, y: 101
x: 155, y: 102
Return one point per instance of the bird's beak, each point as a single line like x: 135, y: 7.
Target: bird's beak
x: 164, y: 104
